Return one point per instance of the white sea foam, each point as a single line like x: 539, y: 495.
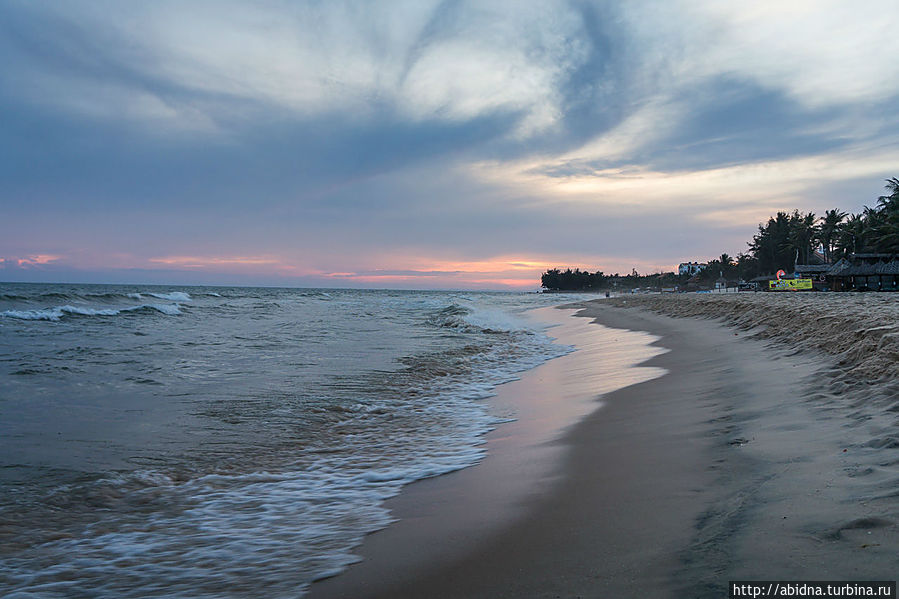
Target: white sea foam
x: 305, y: 464
x: 168, y: 309
x: 175, y: 296
x: 58, y: 312
x: 496, y: 320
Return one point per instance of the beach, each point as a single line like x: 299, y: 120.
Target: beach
x: 448, y: 300
x: 766, y: 451
x: 162, y: 441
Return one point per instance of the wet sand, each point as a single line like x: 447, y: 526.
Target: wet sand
x: 742, y: 462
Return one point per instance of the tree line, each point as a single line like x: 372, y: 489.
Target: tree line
x: 787, y: 239
x: 582, y: 280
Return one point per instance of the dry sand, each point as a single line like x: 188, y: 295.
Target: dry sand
x: 770, y: 450
x: 860, y: 330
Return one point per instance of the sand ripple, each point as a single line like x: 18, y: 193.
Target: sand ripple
x: 860, y: 330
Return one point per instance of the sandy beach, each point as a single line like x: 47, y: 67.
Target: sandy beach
x: 767, y: 451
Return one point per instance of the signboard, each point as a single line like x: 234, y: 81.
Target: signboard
x: 790, y: 285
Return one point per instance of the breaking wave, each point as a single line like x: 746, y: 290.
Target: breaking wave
x: 296, y: 413
x: 477, y: 319
x: 175, y: 296
x: 56, y: 313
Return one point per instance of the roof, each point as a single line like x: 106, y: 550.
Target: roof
x: 880, y: 268
x: 848, y: 267
x: 840, y: 267
x: 811, y: 268
x: 856, y: 265
x: 872, y: 255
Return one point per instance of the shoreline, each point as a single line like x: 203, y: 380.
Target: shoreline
x: 439, y: 519
x: 733, y: 465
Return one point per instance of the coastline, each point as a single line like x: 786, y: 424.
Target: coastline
x: 730, y: 466
x: 439, y: 519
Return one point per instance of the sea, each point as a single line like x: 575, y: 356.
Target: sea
x: 160, y: 441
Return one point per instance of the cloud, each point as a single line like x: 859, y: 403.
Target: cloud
x: 821, y: 53
x: 25, y: 262
x: 205, y: 67
x: 818, y: 52
x: 214, y: 261
x: 315, y: 138
x: 716, y: 83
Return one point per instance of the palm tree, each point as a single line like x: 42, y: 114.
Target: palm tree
x: 770, y: 246
x: 890, y: 202
x: 851, y: 234
x: 887, y: 233
x: 830, y: 223
x: 802, y: 233
x: 884, y: 220
x: 747, y: 266
x: 725, y: 264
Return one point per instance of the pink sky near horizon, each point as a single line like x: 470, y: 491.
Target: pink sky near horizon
x: 514, y: 273
x: 428, y: 144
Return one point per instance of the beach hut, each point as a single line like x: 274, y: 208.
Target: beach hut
x: 761, y: 282
x: 865, y: 272
x: 816, y: 272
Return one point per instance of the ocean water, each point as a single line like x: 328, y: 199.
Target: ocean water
x: 227, y: 442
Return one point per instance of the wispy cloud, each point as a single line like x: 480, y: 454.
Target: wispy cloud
x: 28, y: 261
x: 432, y: 141
x: 205, y: 261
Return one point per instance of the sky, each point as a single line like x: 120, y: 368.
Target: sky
x: 418, y: 144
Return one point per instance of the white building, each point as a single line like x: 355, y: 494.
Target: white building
x: 690, y: 268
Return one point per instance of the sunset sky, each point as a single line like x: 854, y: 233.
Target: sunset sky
x: 422, y: 144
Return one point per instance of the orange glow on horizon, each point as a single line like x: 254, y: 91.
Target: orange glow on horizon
x: 392, y: 278
x: 516, y: 272
x: 410, y: 268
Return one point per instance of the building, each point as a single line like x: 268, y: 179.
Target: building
x: 864, y: 272
x: 690, y: 268
x: 854, y: 272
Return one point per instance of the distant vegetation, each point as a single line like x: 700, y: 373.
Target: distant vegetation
x: 788, y: 238
x: 573, y: 280
x: 581, y: 280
